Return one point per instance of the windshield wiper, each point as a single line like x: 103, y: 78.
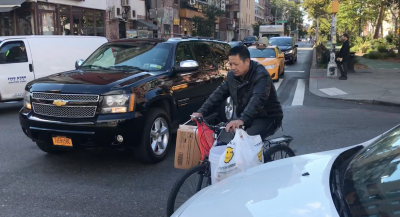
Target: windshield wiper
x: 93, y: 66
x: 125, y: 67
x: 337, y: 193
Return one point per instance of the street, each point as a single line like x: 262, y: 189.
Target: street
x: 109, y: 183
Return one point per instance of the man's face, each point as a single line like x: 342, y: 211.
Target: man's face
x: 344, y: 38
x: 239, y: 67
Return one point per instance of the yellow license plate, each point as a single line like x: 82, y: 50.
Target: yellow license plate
x: 62, y: 141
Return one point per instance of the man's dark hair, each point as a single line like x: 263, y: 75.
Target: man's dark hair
x: 242, y: 51
x: 346, y: 35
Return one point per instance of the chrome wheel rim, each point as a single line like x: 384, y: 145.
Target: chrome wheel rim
x: 159, y: 136
x: 229, y: 108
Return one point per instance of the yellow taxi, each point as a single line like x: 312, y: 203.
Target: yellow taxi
x: 270, y: 57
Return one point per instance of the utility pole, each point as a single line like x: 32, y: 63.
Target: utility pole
x: 332, y: 67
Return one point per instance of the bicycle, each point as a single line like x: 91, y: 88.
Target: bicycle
x: 202, y: 172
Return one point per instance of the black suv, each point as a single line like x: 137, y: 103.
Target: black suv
x: 287, y: 45
x: 128, y: 93
x: 250, y: 40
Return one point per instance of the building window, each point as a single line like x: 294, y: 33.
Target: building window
x: 6, y: 24
x: 47, y: 18
x: 100, y: 23
x: 87, y: 22
x: 65, y: 20
x: 25, y: 19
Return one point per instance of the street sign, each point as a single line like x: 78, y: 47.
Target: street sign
x: 282, y: 21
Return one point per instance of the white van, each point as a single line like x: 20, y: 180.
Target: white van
x: 25, y: 58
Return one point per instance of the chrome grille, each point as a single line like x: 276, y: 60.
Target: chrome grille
x: 67, y: 97
x: 64, y: 111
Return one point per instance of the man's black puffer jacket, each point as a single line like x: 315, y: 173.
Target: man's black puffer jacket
x: 254, y: 97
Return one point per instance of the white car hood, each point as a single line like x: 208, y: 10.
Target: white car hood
x: 277, y: 189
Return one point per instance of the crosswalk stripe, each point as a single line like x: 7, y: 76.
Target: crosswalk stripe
x: 278, y: 84
x: 299, y: 94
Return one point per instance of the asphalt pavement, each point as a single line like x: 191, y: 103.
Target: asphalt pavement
x: 111, y: 183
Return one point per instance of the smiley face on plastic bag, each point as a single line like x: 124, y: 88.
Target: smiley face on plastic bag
x: 228, y: 154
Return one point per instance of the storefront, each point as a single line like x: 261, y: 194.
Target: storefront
x: 21, y: 17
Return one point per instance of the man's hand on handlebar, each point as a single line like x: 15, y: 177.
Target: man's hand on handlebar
x: 196, y: 115
x: 234, y: 125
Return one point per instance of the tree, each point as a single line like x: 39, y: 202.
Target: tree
x: 256, y: 27
x: 204, y: 26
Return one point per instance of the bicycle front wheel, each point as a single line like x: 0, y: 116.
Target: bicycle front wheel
x: 188, y: 185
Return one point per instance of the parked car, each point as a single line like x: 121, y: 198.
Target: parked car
x: 25, y: 58
x: 361, y: 180
x: 287, y: 45
x: 270, y: 57
x: 236, y: 43
x: 250, y: 40
x: 130, y: 93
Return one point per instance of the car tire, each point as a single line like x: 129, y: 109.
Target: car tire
x: 45, y: 147
x: 157, y: 127
x: 283, y: 72
x: 226, y: 107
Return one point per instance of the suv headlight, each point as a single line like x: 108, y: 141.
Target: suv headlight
x: 27, y: 100
x: 118, y: 103
x: 289, y: 51
x: 270, y: 66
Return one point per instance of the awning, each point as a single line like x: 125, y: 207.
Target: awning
x: 140, y: 24
x: 9, y: 5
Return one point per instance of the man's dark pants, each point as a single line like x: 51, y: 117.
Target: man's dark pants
x: 342, y: 66
x: 261, y: 126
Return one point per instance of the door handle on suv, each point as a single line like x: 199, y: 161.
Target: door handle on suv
x: 30, y: 67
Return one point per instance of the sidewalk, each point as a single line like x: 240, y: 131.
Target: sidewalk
x: 374, y: 86
x: 378, y: 64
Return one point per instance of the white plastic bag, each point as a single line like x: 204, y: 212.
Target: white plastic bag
x: 242, y: 153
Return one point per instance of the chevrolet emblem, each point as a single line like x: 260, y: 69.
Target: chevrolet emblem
x: 59, y: 103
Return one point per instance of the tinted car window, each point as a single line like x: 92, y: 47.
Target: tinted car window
x: 203, y: 55
x: 183, y: 53
x: 250, y: 38
x: 372, y: 180
x: 148, y: 56
x: 262, y: 53
x: 14, y: 52
x: 281, y: 41
x: 221, y: 54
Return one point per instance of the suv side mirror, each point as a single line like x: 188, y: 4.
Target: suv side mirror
x: 296, y: 45
x: 78, y: 63
x: 187, y: 66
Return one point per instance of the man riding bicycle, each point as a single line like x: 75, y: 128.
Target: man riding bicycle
x: 250, y: 86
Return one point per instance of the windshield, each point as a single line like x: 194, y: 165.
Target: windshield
x: 372, y: 180
x: 233, y: 44
x: 270, y: 35
x: 262, y: 53
x: 148, y: 56
x: 281, y: 41
x: 251, y: 38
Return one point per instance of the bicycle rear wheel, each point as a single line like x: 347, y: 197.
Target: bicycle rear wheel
x: 278, y: 152
x: 188, y: 185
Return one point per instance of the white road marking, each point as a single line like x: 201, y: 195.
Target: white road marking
x: 298, y: 98
x: 278, y: 84
x: 333, y: 91
x: 295, y: 71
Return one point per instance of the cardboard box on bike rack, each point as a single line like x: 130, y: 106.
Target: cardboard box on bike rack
x: 187, y: 152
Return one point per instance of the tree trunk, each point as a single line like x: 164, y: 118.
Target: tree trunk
x: 379, y: 21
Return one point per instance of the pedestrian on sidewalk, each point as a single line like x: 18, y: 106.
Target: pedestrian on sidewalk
x: 343, y: 57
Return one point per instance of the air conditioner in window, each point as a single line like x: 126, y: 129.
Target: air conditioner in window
x: 115, y: 13
x: 192, y: 2
x: 132, y: 15
x: 124, y: 3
